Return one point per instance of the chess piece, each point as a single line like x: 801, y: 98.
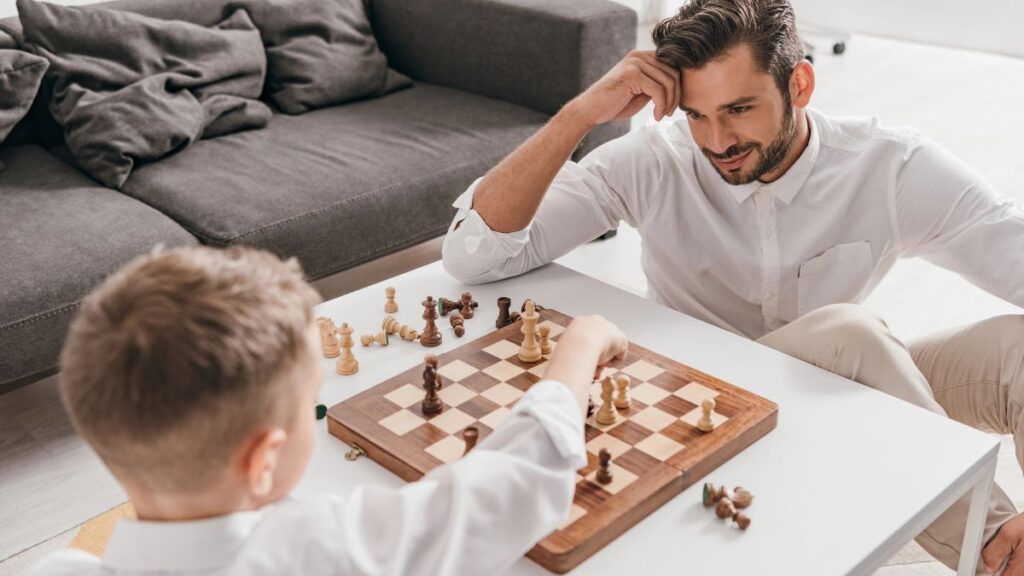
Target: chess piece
x: 328, y: 337
x: 409, y: 333
x: 590, y: 407
x: 446, y: 306
x: 431, y: 401
x: 390, y: 307
x: 604, y: 472
x: 725, y: 509
x: 378, y: 338
x: 505, y: 317
x: 347, y: 363
x: 457, y: 324
x: 622, y: 400
x: 741, y: 497
x: 606, y: 414
x: 712, y: 495
x: 470, y: 435
x: 431, y: 336
x: 468, y: 305
x: 536, y: 306
x: 432, y: 361
x: 545, y: 342
x: 705, y: 424
x: 529, y: 351
x: 742, y: 520
x: 406, y: 332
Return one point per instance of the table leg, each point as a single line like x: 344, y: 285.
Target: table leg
x: 980, y: 492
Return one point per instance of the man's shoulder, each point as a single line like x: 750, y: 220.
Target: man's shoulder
x: 860, y: 134
x: 65, y: 563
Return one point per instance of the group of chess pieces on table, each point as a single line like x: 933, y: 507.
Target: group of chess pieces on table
x: 728, y: 503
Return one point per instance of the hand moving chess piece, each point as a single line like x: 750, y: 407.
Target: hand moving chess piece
x: 347, y: 363
x: 606, y: 414
x: 468, y: 305
x: 622, y: 400
x: 431, y: 401
x: 431, y: 336
x: 470, y: 435
x: 529, y: 351
x: 379, y: 338
x: 604, y: 471
x: 545, y: 342
x: 390, y: 307
x: 705, y: 424
x: 457, y: 324
x: 328, y: 337
x: 505, y: 317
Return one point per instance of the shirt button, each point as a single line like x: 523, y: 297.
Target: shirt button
x: 767, y: 233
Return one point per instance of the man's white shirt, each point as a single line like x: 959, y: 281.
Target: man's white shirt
x: 753, y: 257
x: 476, y: 516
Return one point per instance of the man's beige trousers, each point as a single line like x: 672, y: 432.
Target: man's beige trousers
x: 973, y: 374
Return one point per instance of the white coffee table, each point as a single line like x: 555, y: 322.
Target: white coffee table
x: 847, y: 478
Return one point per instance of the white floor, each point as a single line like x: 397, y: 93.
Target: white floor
x: 50, y: 482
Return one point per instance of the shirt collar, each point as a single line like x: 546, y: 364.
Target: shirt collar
x: 787, y: 186
x: 196, y: 545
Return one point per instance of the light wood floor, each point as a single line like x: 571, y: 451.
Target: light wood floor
x: 50, y: 482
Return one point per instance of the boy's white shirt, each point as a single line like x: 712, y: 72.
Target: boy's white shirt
x: 477, y: 515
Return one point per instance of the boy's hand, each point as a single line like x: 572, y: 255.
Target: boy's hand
x: 589, y: 344
x: 636, y: 80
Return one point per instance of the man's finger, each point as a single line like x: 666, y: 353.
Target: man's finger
x: 997, y: 550
x: 1015, y: 566
x: 674, y: 73
x: 655, y: 90
x: 667, y: 84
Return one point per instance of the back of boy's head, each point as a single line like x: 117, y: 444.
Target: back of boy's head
x: 178, y: 358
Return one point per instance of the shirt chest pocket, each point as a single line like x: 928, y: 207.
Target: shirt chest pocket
x: 837, y: 275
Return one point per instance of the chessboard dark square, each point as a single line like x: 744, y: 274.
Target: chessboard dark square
x: 590, y: 432
x: 675, y: 406
x: 668, y: 381
x: 479, y: 381
x: 636, y: 461
x: 514, y: 359
x: 630, y: 432
x: 476, y: 358
x: 478, y: 407
x: 524, y: 381
x: 424, y: 435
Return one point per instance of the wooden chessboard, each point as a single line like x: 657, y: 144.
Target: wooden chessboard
x: 657, y: 450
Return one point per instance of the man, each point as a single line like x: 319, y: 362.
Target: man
x: 772, y: 220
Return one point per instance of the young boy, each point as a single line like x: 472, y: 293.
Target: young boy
x: 192, y: 373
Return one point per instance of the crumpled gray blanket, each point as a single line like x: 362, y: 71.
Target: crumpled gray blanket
x: 128, y: 88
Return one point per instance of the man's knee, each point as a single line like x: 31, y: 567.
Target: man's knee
x: 829, y: 330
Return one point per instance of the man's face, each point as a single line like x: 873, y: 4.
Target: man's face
x: 738, y: 116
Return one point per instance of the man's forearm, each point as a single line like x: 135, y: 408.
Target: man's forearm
x: 510, y: 194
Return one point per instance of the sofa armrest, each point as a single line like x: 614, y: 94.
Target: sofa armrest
x: 535, y: 53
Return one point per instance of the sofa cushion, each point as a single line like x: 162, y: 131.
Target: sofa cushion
x: 338, y: 186
x: 60, y: 235
x: 320, y: 53
x: 20, y: 76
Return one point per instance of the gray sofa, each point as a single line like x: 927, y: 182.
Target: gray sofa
x: 335, y: 187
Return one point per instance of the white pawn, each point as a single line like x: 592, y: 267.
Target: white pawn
x: 606, y: 414
x: 705, y: 423
x: 622, y: 399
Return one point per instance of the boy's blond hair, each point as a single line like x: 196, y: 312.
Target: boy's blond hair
x: 180, y: 356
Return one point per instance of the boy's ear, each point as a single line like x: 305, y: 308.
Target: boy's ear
x: 260, y: 460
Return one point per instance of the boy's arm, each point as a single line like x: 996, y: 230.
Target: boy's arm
x: 481, y: 513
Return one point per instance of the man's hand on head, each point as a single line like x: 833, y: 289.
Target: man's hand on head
x: 1006, y: 546
x: 636, y: 80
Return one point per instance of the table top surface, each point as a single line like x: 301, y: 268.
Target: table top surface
x: 845, y: 474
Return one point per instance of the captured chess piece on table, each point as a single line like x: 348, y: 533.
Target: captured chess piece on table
x: 404, y: 331
x: 506, y: 316
x: 727, y: 504
x: 529, y: 351
x: 390, y: 306
x: 378, y: 338
x: 457, y: 324
x: 446, y: 306
x: 328, y: 337
x: 430, y: 336
x: 347, y: 363
x: 468, y: 305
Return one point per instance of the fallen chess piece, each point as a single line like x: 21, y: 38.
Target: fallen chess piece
x: 390, y: 306
x: 470, y: 435
x: 457, y: 324
x: 392, y: 326
x: 741, y: 498
x: 725, y: 508
x: 379, y: 338
x: 446, y: 306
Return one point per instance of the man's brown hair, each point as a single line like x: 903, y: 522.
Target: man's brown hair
x: 176, y: 359
x: 705, y: 29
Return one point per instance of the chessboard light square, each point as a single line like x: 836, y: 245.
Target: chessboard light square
x: 693, y: 416
x: 621, y: 478
x: 455, y: 394
x: 503, y: 394
x: 405, y: 396
x: 494, y: 419
x: 614, y: 445
x: 539, y: 369
x: 402, y: 421
x: 643, y: 370
x: 452, y: 420
x: 695, y: 393
x: 503, y: 371
x: 555, y: 328
x: 659, y: 447
x: 652, y: 419
x: 648, y: 393
x: 447, y: 450
x: 503, y: 349
x: 456, y: 370
x: 575, y: 513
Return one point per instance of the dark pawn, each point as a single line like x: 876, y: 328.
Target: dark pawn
x: 430, y: 336
x: 604, y: 473
x: 431, y: 402
x: 590, y: 407
x: 470, y: 435
x: 504, y: 316
x: 445, y: 306
x: 457, y: 324
x: 468, y: 305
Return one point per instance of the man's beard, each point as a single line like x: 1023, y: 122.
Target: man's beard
x: 770, y: 157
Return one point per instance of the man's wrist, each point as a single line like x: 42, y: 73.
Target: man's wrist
x: 575, y: 119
